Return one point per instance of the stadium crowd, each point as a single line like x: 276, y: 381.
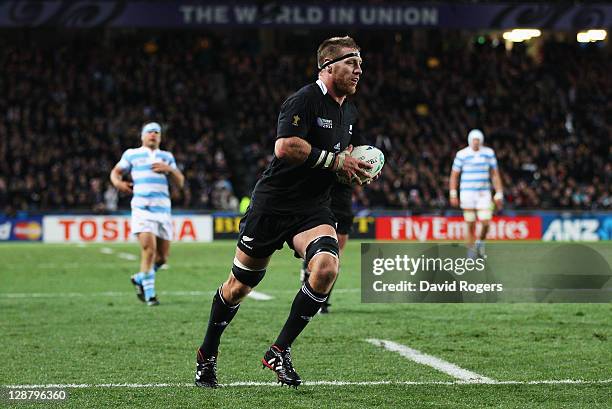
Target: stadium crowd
x: 69, y: 110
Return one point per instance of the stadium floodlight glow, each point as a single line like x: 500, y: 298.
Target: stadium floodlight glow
x: 518, y: 35
x: 590, y: 36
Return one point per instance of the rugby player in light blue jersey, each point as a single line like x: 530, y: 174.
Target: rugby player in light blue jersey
x: 151, y: 169
x: 477, y: 165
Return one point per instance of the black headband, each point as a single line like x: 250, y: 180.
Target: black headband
x: 335, y: 60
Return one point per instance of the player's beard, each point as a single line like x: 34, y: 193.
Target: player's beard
x: 346, y: 87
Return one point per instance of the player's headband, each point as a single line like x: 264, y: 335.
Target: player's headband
x: 342, y: 57
x: 475, y: 134
x: 150, y: 127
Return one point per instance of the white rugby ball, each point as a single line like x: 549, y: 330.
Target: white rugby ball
x: 368, y: 154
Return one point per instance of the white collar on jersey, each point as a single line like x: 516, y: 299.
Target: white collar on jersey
x: 150, y: 152
x: 322, y: 86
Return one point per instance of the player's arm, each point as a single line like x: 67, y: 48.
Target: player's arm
x: 116, y: 178
x: 453, y: 184
x: 172, y: 171
x: 177, y: 177
x: 294, y: 149
x: 499, y: 189
x: 497, y: 183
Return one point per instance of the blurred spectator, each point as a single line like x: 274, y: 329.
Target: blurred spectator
x: 111, y: 198
x: 222, y: 197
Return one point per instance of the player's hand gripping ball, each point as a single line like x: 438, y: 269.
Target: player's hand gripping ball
x: 368, y: 154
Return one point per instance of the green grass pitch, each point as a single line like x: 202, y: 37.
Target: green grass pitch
x: 68, y: 316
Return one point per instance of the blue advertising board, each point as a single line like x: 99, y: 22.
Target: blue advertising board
x: 577, y: 227
x: 26, y: 229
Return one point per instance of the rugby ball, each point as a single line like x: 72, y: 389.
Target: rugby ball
x: 368, y: 154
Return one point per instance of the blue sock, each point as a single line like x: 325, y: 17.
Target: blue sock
x: 138, y: 277
x: 156, y: 267
x: 471, y: 252
x: 148, y: 284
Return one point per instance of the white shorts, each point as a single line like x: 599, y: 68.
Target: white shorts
x: 475, y: 199
x: 161, y: 228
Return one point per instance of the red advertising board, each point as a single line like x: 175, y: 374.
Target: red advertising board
x: 424, y: 228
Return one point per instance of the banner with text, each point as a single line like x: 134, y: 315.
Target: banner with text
x: 226, y: 226
x: 426, y: 228
x: 576, y: 227
x: 116, y: 229
x: 198, y: 14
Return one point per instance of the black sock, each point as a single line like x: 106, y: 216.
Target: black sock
x: 221, y: 314
x: 305, y: 305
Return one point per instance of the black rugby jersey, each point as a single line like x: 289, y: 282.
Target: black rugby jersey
x: 311, y: 114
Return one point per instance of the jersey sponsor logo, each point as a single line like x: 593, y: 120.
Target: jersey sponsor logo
x: 325, y: 123
x: 296, y: 120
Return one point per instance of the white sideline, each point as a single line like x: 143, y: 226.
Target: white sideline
x: 256, y: 295
x: 127, y: 256
x: 131, y: 294
x: 310, y: 383
x: 429, y: 360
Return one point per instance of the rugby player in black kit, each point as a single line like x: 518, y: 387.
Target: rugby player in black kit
x: 290, y: 204
x: 341, y: 207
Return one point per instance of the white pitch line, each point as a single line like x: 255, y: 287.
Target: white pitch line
x: 430, y: 360
x: 121, y: 294
x: 259, y: 296
x: 127, y: 256
x: 310, y: 383
x: 256, y: 295
x: 63, y: 295
x: 106, y: 250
